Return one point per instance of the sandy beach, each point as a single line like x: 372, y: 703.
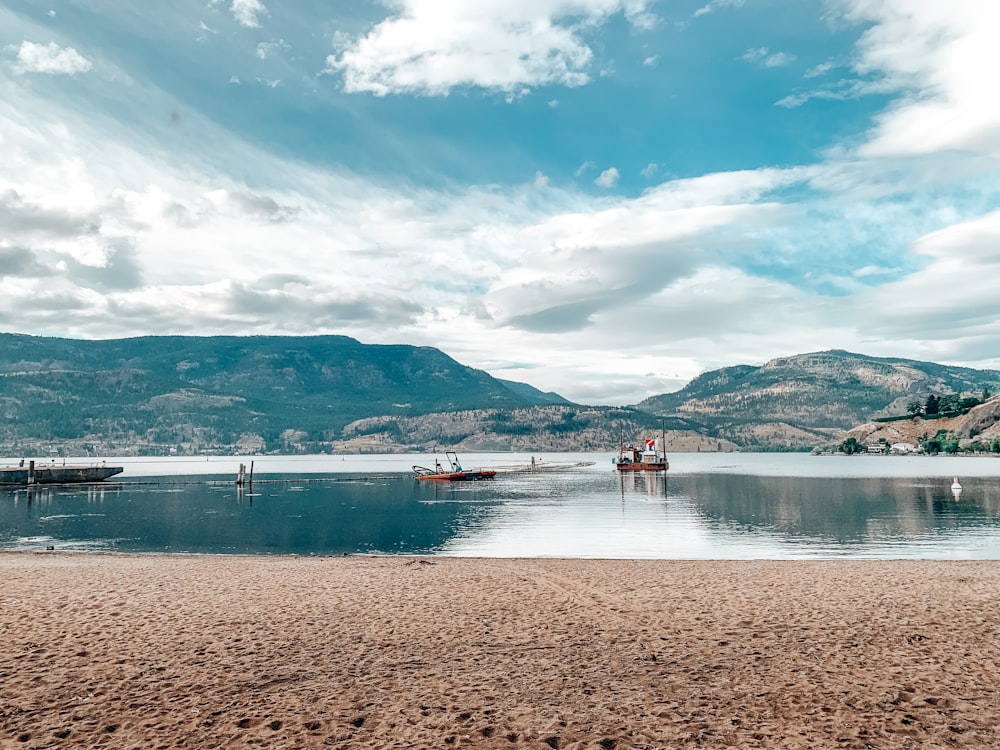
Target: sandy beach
x: 119, y: 651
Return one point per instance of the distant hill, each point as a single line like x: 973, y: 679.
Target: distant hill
x: 811, y: 399
x: 979, y: 424
x: 217, y: 391
x: 548, y: 428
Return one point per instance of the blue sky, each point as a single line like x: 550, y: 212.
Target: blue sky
x: 598, y: 197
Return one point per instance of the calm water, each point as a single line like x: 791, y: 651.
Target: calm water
x: 709, y: 506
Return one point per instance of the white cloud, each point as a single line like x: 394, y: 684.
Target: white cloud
x: 608, y: 178
x: 649, y: 170
x: 819, y: 70
x: 431, y: 47
x: 942, y: 58
x: 779, y: 59
x: 938, y: 312
x: 938, y: 60
x: 267, y: 50
x: 578, y: 267
x: 843, y: 90
x: 651, y: 61
x: 50, y: 58
x: 716, y: 4
x: 768, y: 59
x: 247, y: 12
x: 868, y: 271
x: 205, y: 31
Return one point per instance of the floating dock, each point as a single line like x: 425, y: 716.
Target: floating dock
x: 32, y: 473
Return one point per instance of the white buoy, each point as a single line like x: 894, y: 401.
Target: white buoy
x: 956, y: 488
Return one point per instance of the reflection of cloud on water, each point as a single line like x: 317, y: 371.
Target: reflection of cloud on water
x: 577, y: 517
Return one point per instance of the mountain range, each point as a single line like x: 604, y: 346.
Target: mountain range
x: 812, y: 399
x: 224, y: 394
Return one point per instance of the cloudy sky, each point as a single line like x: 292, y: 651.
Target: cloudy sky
x: 598, y: 197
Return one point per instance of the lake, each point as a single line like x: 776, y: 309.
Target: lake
x: 708, y: 506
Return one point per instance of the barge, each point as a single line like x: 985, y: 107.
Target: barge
x: 32, y: 473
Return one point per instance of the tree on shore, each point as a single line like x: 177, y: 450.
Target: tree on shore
x: 932, y: 404
x: 950, y: 404
x: 850, y: 446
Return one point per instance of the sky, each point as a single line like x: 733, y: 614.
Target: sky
x: 601, y: 198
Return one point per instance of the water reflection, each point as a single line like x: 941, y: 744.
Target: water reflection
x: 323, y: 517
x: 874, y: 514
x: 652, y: 484
x: 593, y: 512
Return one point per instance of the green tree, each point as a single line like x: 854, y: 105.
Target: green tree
x: 950, y: 404
x: 969, y: 402
x: 931, y: 405
x: 850, y: 446
x: 914, y: 408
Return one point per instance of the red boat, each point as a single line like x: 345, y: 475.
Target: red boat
x: 453, y: 473
x: 647, y: 457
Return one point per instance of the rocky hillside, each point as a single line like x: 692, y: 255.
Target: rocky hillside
x: 982, y: 423
x: 811, y: 399
x: 538, y: 428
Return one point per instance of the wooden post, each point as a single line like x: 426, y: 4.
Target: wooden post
x: 31, y: 471
x: 251, y: 474
x: 239, y: 476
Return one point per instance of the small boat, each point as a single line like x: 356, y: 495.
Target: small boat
x: 22, y: 476
x: 452, y: 473
x: 650, y: 456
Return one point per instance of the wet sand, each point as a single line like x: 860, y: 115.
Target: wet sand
x: 120, y: 651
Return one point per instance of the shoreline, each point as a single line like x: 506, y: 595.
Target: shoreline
x: 151, y: 650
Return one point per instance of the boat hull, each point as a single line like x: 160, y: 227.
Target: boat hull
x: 642, y: 466
x: 457, y: 476
x: 22, y: 476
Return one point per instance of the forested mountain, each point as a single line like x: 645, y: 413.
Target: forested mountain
x: 220, y: 390
x: 812, y: 398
